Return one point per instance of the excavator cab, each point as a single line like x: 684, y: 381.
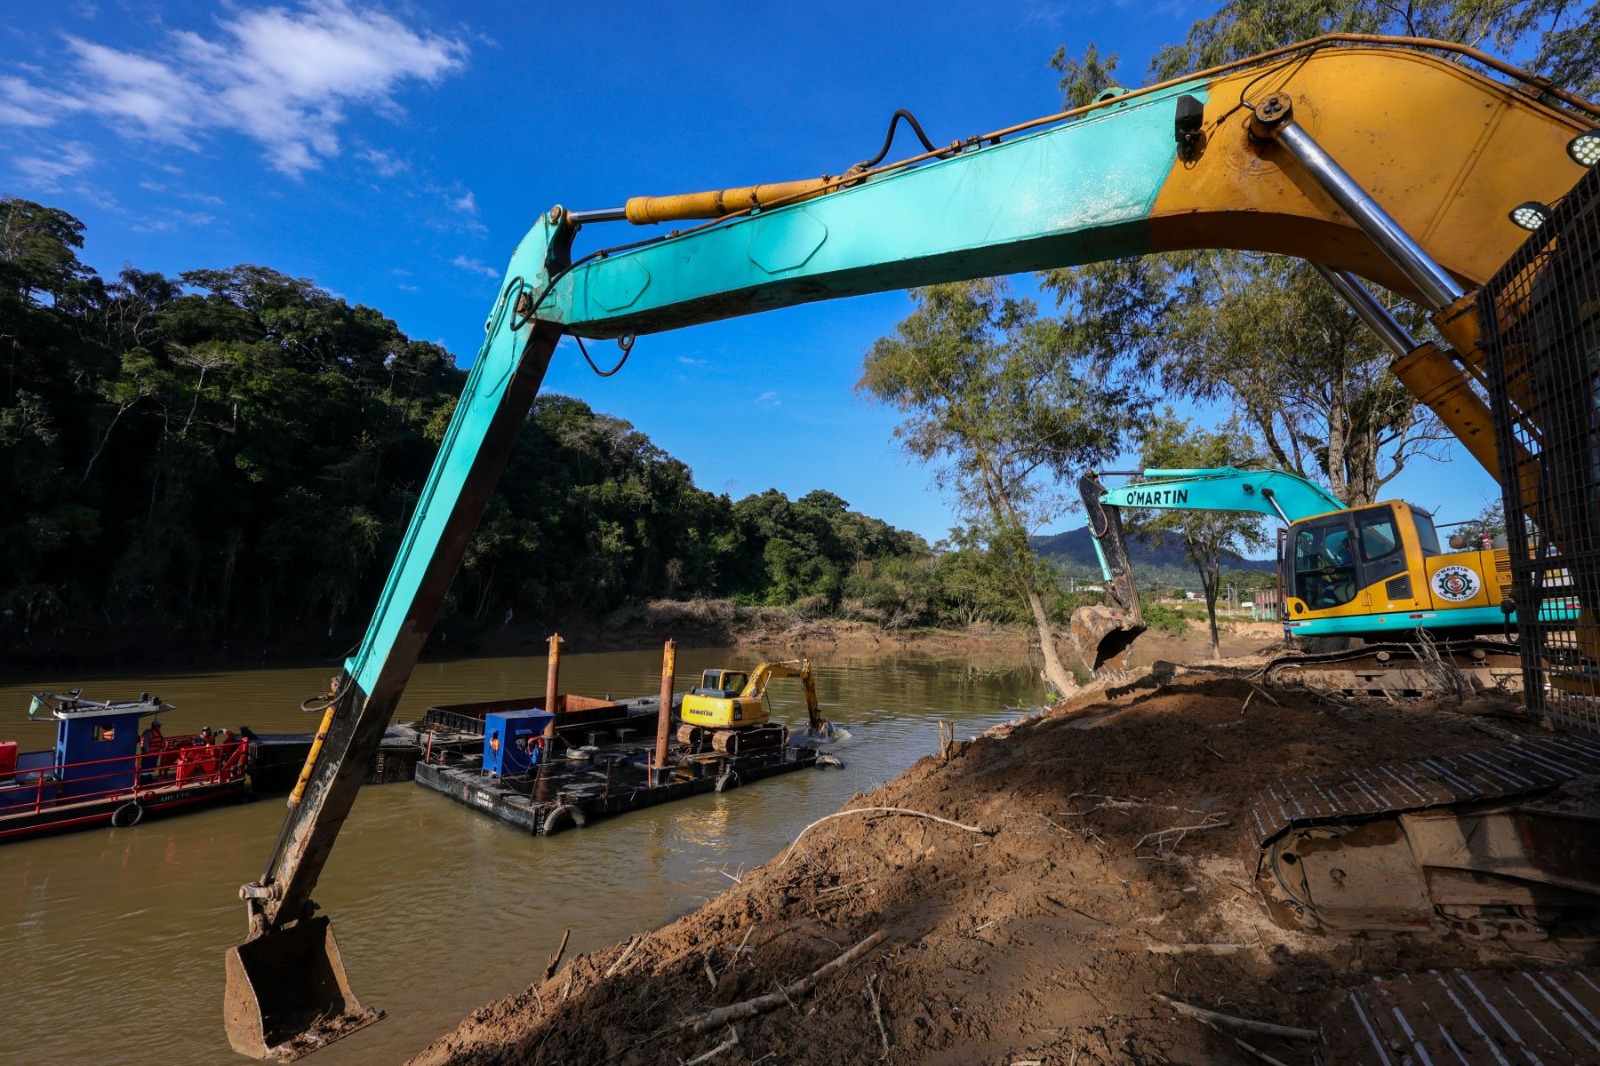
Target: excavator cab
x: 722, y: 684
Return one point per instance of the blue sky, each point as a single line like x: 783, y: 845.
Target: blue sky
x: 395, y: 154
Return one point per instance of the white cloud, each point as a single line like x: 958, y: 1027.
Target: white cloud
x: 770, y: 399
x: 462, y: 206
x: 385, y: 164
x: 45, y: 172
x: 476, y: 266
x: 171, y: 219
x: 283, y: 77
x: 688, y: 361
x: 24, y: 104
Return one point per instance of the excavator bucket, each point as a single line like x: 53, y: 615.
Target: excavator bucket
x: 287, y: 994
x: 1103, y: 636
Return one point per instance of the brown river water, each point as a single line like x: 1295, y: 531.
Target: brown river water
x: 114, y: 938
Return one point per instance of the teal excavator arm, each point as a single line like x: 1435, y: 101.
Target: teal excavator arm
x: 1274, y: 493
x: 1104, y: 633
x: 1219, y: 159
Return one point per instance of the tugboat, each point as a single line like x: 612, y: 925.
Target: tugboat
x: 104, y: 771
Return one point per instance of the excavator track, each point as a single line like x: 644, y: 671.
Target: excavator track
x: 1402, y: 845
x: 699, y: 739
x: 1402, y: 670
x: 756, y: 738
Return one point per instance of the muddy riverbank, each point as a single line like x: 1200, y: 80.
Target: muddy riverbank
x: 693, y: 623
x: 1071, y: 889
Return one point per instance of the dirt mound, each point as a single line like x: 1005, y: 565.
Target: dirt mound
x: 1098, y: 860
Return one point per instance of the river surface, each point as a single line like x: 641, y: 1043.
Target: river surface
x: 114, y: 938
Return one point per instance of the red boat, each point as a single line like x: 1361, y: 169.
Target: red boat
x: 104, y: 771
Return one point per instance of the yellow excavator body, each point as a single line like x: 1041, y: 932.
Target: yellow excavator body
x: 718, y: 702
x: 733, y: 699
x: 1380, y: 568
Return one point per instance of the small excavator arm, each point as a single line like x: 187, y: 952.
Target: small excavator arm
x: 800, y: 668
x: 1388, y: 162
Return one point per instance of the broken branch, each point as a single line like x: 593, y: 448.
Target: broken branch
x: 883, y: 810
x: 773, y: 1000
x: 633, y: 942
x: 732, y: 1040
x: 1286, y: 1032
x: 1160, y: 835
x: 877, y: 1014
x: 555, y: 960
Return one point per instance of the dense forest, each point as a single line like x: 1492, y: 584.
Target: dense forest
x: 230, y: 457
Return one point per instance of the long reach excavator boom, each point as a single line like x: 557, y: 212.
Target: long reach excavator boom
x: 1387, y: 159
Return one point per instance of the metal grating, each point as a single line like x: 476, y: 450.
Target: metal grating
x: 1541, y: 326
x: 1466, y: 1018
x: 1435, y: 781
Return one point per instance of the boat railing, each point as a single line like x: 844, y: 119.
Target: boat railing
x: 452, y: 721
x: 175, y: 763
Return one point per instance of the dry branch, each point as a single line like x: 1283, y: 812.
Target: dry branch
x: 633, y: 942
x: 1257, y: 1052
x: 877, y: 1014
x: 882, y: 810
x: 733, y: 1039
x: 1285, y: 1032
x: 749, y: 1008
x: 1160, y: 835
x: 555, y: 960
x: 1264, y: 694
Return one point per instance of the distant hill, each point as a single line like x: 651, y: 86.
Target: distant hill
x: 1153, y: 564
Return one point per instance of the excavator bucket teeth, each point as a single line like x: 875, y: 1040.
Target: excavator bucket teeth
x: 287, y: 994
x: 1103, y: 636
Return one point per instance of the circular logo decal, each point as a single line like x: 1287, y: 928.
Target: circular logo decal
x: 1456, y: 583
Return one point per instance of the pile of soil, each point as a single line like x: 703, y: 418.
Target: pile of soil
x: 1045, y: 938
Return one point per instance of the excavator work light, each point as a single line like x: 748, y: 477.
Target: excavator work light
x: 1530, y: 215
x: 1585, y: 148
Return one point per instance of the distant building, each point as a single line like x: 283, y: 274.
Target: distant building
x: 1268, y: 606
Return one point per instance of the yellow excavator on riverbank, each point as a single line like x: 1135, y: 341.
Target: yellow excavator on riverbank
x: 729, y: 711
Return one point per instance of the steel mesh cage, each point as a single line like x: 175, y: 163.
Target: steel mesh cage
x: 1541, y: 327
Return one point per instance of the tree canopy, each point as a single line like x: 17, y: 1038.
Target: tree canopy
x: 231, y: 457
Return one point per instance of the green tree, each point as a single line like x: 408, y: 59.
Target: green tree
x: 996, y: 400
x: 1171, y: 442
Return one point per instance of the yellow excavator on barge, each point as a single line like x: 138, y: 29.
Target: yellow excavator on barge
x: 729, y: 710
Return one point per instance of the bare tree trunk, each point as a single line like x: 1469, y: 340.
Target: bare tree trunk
x: 1054, y: 672
x: 1210, y: 571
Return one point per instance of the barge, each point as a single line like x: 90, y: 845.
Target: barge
x: 104, y: 771
x: 546, y: 793
x: 543, y: 771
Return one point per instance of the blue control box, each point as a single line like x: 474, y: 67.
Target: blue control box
x: 510, y: 741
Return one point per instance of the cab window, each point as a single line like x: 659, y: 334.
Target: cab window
x: 1324, y: 565
x: 1427, y: 536
x: 1378, y: 534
